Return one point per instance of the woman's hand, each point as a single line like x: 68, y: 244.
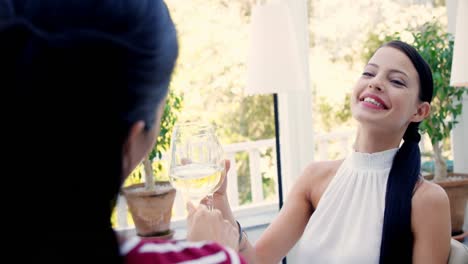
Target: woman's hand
x: 220, y: 199
x: 221, y: 203
x: 223, y: 187
x: 205, y: 225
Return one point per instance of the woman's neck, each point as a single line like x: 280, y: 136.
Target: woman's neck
x: 371, y: 141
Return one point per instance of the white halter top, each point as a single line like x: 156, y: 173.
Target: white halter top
x: 346, y: 226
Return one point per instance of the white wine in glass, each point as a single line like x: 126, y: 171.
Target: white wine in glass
x: 196, y: 161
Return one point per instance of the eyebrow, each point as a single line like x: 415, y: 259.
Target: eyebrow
x: 392, y: 70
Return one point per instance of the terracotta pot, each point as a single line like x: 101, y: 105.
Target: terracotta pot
x: 151, y: 210
x: 457, y: 191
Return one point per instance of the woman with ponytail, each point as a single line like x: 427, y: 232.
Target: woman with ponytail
x: 86, y: 83
x: 373, y: 206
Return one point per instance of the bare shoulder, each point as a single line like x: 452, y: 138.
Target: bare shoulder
x: 317, y: 176
x: 430, y: 201
x: 430, y: 222
x: 318, y: 168
x: 429, y: 194
x: 317, y: 172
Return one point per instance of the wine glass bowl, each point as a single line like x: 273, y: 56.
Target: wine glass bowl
x: 196, y: 160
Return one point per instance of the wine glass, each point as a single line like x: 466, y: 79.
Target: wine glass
x: 196, y: 161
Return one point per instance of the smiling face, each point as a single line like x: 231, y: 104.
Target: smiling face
x: 386, y: 96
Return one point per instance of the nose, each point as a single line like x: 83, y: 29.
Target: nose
x: 375, y: 83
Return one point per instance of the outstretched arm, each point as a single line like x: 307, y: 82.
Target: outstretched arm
x: 286, y: 228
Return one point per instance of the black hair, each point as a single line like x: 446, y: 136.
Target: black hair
x: 397, y: 237
x: 78, y: 74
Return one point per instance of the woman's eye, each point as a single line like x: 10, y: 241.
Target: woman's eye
x: 397, y: 82
x: 367, y: 74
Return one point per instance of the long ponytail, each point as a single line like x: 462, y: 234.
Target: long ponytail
x: 397, y: 238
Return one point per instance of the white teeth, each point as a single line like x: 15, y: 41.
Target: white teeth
x: 372, y: 101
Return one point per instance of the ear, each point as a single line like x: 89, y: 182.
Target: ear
x: 423, y: 111
x: 131, y: 152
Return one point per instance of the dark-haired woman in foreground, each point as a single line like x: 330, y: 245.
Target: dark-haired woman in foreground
x: 86, y: 81
x: 373, y: 206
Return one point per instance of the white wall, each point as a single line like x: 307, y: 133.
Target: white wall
x: 460, y: 132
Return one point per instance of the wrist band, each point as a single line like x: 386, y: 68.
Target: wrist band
x: 240, y: 232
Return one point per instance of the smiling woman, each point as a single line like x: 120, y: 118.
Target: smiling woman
x: 389, y: 83
x: 363, y: 209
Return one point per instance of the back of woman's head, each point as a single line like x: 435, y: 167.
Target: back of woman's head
x: 116, y: 56
x: 78, y: 74
x: 397, y: 237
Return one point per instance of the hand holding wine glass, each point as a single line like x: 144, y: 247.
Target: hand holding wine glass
x: 203, y: 225
x: 197, y: 161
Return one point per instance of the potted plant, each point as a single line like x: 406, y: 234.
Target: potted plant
x: 150, y: 203
x: 436, y: 47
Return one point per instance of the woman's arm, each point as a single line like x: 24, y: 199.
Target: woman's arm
x: 430, y: 220
x: 288, y: 226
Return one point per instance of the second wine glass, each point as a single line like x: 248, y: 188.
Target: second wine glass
x: 196, y: 161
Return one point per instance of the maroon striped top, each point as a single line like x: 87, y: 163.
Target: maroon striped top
x: 139, y: 251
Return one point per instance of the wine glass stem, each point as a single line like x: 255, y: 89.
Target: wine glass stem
x: 209, y: 203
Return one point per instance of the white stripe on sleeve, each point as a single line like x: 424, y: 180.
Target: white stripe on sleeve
x: 128, y: 245
x: 233, y: 256
x: 169, y: 247
x: 210, y: 259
